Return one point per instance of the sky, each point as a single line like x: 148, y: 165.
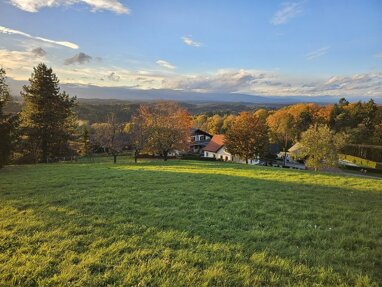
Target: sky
x: 308, y: 47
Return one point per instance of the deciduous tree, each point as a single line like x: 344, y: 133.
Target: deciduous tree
x: 138, y: 132
x: 110, y: 136
x: 215, y: 124
x: 321, y: 146
x: 248, y: 137
x: 168, y: 127
x: 282, y: 128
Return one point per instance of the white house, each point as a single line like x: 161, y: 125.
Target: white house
x: 216, y: 149
x: 199, y: 140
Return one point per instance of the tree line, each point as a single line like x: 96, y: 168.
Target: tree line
x: 47, y: 128
x: 157, y: 129
x: 361, y: 122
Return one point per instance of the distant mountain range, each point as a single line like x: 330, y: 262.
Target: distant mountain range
x: 129, y: 94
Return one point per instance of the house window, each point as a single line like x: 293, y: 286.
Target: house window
x: 207, y: 154
x: 202, y: 138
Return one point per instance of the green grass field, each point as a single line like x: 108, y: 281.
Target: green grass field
x: 187, y: 223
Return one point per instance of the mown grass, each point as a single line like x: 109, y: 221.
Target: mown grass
x: 187, y: 223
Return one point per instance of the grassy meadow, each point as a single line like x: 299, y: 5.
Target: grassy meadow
x: 187, y: 223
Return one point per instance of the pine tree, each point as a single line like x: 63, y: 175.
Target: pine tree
x: 47, y: 118
x: 7, y: 123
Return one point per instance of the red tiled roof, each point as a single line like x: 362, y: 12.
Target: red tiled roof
x: 216, y: 143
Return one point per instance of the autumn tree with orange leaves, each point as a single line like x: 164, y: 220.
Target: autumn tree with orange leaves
x: 248, y: 137
x: 167, y: 126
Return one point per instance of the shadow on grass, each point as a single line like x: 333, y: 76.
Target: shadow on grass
x: 223, y: 224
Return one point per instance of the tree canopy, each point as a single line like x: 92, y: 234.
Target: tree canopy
x: 248, y: 136
x: 168, y: 127
x: 321, y: 146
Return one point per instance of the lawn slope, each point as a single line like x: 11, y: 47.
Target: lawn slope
x: 187, y: 223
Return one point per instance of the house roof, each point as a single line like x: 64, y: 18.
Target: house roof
x: 295, y: 148
x: 198, y: 131
x: 216, y: 143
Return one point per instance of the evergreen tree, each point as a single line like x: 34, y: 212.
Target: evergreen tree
x: 7, y: 122
x: 47, y: 118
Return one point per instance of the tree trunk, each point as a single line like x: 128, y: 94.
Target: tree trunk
x: 44, y: 147
x: 246, y: 160
x: 114, y: 158
x: 136, y: 156
x: 165, y: 156
x: 285, y: 148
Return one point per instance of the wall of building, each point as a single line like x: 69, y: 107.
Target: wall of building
x: 222, y: 154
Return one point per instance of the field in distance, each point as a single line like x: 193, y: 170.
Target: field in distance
x: 187, y: 223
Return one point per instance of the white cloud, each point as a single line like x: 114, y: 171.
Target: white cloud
x: 273, y: 84
x: 317, y: 53
x: 18, y: 64
x: 288, y: 11
x: 9, y: 31
x: 221, y: 81
x: 188, y: 41
x: 379, y: 56
x: 35, y: 5
x: 165, y: 64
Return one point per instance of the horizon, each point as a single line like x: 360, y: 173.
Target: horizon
x: 269, y: 49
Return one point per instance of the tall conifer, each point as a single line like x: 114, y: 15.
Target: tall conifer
x: 47, y: 118
x: 6, y: 122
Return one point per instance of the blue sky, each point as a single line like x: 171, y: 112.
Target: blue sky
x: 257, y: 47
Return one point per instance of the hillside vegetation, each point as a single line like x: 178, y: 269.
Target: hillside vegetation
x: 186, y: 223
